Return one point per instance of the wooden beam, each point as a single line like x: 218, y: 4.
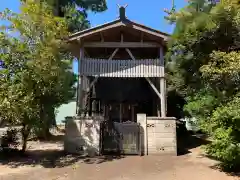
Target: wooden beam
x: 130, y: 53
x: 86, y: 53
x: 121, y: 45
x: 80, y: 82
x: 154, y: 88
x: 113, y: 54
x: 162, y: 84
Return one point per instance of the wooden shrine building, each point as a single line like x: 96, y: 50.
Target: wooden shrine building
x: 121, y: 72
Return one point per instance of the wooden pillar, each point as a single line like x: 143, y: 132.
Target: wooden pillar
x: 80, y: 82
x: 94, y: 109
x: 162, y: 84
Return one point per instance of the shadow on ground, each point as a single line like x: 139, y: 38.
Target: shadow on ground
x: 49, y: 159
x: 187, y: 140
x: 190, y: 141
x: 235, y: 172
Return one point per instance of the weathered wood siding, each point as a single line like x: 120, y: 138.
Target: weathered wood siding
x: 122, y: 68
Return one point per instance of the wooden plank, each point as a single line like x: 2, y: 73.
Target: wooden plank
x: 154, y: 88
x: 130, y: 53
x: 113, y: 54
x: 121, y: 45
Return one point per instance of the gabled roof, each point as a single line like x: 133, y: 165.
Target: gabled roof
x: 121, y: 22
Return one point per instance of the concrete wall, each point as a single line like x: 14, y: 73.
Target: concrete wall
x: 159, y: 135
x: 83, y: 135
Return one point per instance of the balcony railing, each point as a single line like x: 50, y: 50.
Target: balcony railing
x: 122, y: 68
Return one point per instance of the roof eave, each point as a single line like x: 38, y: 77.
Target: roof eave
x: 117, y: 23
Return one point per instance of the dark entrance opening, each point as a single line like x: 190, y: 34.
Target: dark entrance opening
x: 121, y: 100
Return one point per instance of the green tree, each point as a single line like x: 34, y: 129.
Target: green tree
x: 34, y: 67
x: 203, y: 65
x: 76, y: 11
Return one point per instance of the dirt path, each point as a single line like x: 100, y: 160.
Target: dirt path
x: 47, y: 161
x: 185, y: 167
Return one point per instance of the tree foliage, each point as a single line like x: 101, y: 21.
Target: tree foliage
x: 76, y: 11
x: 35, y: 76
x: 203, y: 65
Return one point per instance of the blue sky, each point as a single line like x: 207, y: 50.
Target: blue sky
x: 149, y: 13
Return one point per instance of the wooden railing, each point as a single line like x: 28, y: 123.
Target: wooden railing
x: 122, y: 68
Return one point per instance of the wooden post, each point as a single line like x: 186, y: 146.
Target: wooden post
x: 162, y: 84
x: 80, y: 82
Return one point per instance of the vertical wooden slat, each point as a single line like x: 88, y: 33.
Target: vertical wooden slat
x: 136, y: 65
x: 84, y: 66
x: 110, y: 68
x: 153, y: 66
x: 134, y: 69
x: 102, y: 67
x: 122, y: 68
x: 98, y: 67
x: 94, y: 64
x: 158, y: 68
x: 94, y: 69
x: 114, y: 67
x: 118, y: 68
x: 141, y: 67
x: 89, y: 67
x: 129, y: 68
x: 155, y: 63
x: 150, y: 67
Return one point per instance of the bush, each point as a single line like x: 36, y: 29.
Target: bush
x: 222, y: 122
x: 225, y: 149
x: 9, y: 139
x: 225, y: 130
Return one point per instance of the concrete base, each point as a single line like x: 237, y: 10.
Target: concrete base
x: 82, y: 135
x: 159, y: 135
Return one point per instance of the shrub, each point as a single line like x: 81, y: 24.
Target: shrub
x: 10, y: 139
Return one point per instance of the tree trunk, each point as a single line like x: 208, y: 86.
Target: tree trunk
x: 25, y: 134
x: 47, y: 119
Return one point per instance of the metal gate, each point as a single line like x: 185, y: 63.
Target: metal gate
x: 121, y: 138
